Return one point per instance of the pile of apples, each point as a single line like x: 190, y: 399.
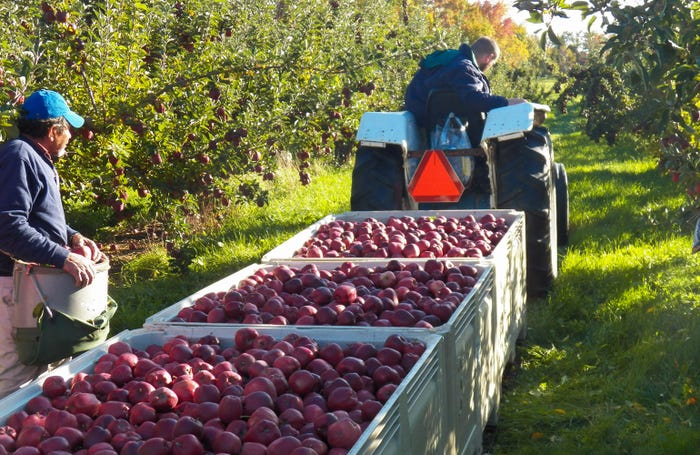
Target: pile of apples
x: 397, y: 294
x: 261, y: 395
x: 407, y: 237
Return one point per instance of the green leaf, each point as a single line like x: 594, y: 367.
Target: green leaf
x: 590, y: 22
x: 553, y: 36
x: 535, y: 17
x: 580, y: 6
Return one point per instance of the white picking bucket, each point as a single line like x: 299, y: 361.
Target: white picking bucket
x: 36, y: 285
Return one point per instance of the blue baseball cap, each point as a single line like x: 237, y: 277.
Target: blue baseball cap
x: 45, y: 104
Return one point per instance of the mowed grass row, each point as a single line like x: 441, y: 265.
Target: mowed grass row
x: 611, y: 364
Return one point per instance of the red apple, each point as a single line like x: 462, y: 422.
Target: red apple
x: 342, y: 398
x: 344, y: 433
x: 253, y: 448
x: 257, y: 399
x: 119, y: 347
x: 260, y: 383
x: 117, y: 409
x: 283, y: 446
x: 83, y: 403
x: 54, y: 444
x: 315, y: 444
x: 207, y: 392
x: 142, y: 412
x: 230, y: 408
x: 155, y: 446
x: 187, y: 425
x: 345, y: 294
x: 164, y: 428
x: 39, y: 403
x: 163, y: 399
x: 293, y: 417
x: 32, y: 435
x: 120, y: 426
x: 260, y: 414
x: 227, y: 442
x: 54, y: 386
x: 287, y: 401
x: 263, y: 432
x: 96, y: 435
x: 74, y: 436
x: 184, y: 389
x: 302, y: 382
x: 139, y: 391
x: 244, y: 338
x: 158, y: 377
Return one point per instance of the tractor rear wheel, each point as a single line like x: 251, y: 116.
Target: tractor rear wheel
x: 377, y: 179
x: 525, y: 182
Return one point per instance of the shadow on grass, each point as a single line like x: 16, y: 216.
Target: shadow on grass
x: 610, y: 359
x: 610, y: 362
x: 586, y: 288
x: 623, y: 208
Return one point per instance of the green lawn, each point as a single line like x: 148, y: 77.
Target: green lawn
x: 611, y: 362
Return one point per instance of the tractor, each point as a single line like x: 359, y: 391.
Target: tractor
x: 401, y: 166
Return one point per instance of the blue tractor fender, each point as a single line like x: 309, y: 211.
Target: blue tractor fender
x: 379, y: 129
x: 506, y: 122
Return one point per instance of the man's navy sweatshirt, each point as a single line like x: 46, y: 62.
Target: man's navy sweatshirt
x: 33, y: 224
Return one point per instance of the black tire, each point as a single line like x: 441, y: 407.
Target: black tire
x: 561, y: 184
x: 377, y: 179
x: 525, y: 182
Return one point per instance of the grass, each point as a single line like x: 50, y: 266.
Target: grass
x: 147, y: 286
x: 611, y: 363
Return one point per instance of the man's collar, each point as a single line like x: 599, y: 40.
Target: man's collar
x: 467, y: 51
x: 38, y: 147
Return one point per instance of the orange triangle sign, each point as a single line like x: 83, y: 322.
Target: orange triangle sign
x: 435, y: 180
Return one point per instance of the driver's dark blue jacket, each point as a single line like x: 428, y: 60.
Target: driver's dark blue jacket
x: 456, y: 70
x: 32, y: 221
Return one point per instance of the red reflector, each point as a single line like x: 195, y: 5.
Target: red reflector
x: 435, y: 180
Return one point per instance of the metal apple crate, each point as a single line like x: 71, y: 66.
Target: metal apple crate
x: 411, y: 421
x: 508, y: 259
x: 290, y: 248
x: 473, y: 380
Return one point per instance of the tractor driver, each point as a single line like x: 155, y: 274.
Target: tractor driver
x: 463, y: 71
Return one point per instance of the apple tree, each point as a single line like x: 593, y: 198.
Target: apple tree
x: 193, y: 105
x: 646, y: 80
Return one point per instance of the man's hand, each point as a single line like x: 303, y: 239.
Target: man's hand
x: 82, y: 269
x: 78, y: 241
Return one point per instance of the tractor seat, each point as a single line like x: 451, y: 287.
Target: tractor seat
x: 441, y: 102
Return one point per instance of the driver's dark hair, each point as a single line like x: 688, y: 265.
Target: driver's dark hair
x: 486, y: 46
x: 39, y: 128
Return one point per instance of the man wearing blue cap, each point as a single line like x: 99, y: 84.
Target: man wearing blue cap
x: 33, y: 225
